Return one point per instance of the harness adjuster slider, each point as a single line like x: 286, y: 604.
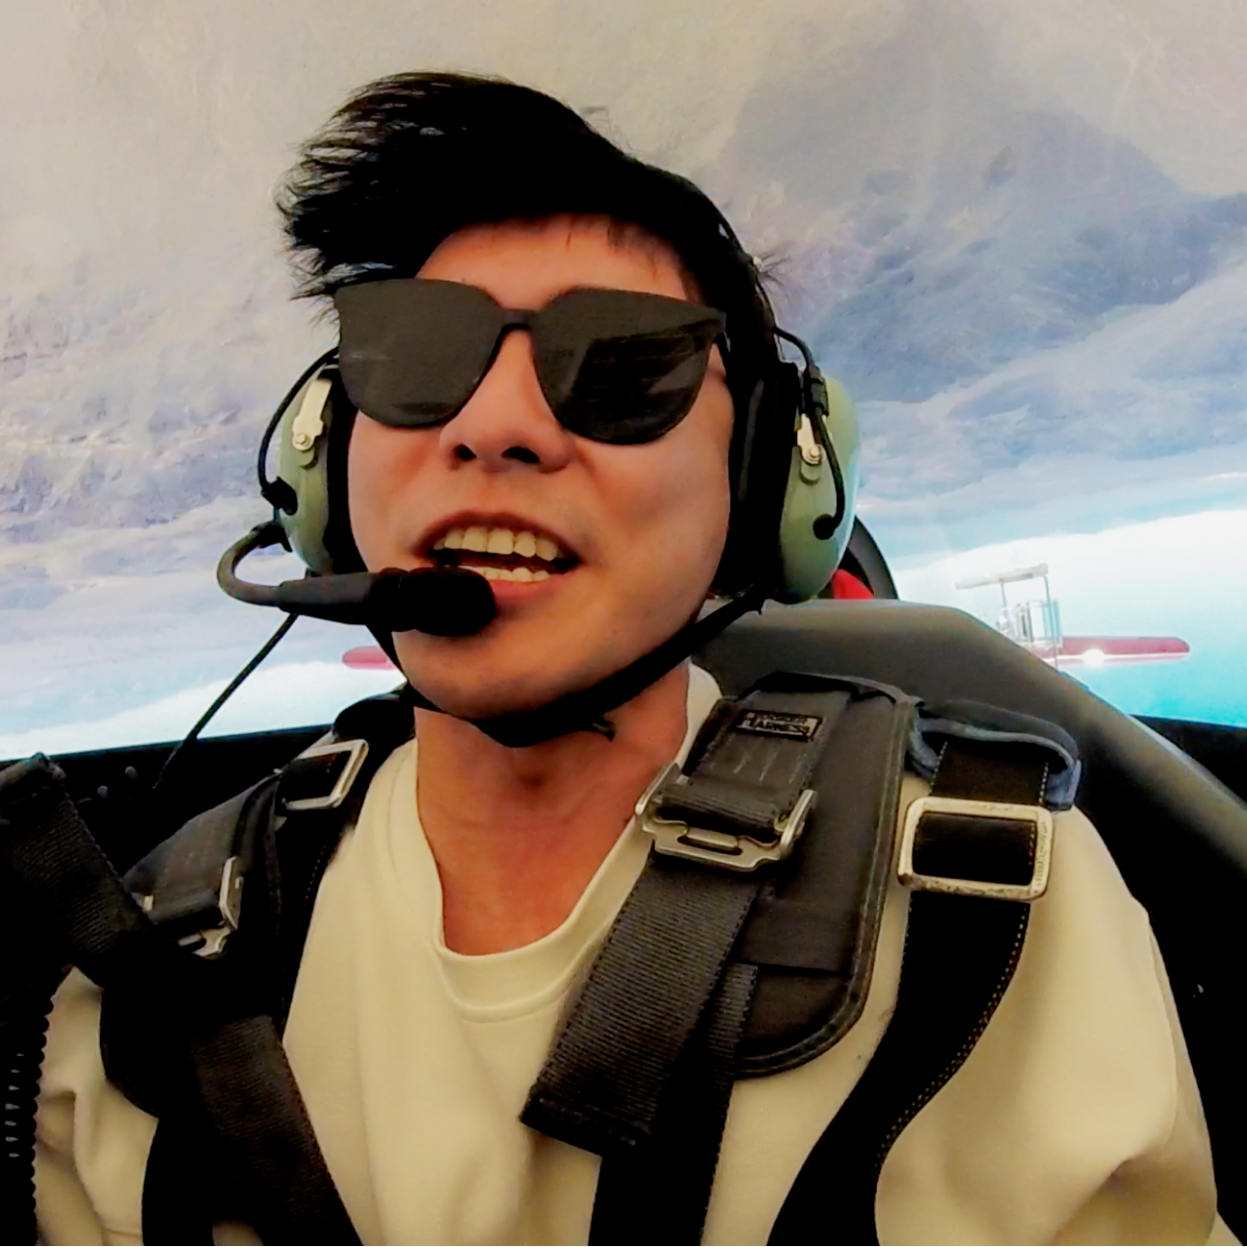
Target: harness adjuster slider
x: 354, y: 752
x: 1038, y: 816
x: 729, y: 851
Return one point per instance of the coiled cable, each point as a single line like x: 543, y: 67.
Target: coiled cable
x: 23, y: 1035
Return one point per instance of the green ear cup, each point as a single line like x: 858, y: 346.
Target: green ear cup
x: 302, y: 462
x: 807, y: 555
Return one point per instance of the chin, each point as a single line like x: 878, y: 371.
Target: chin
x: 471, y: 689
x: 524, y: 664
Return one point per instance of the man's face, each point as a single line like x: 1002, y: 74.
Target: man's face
x: 639, y: 529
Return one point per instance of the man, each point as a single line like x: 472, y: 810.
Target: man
x: 462, y: 910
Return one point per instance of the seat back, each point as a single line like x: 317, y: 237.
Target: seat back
x: 1179, y: 837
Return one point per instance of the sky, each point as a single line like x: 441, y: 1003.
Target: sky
x: 1016, y: 230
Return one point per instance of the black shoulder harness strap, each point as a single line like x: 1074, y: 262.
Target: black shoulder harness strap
x: 264, y: 852
x: 975, y: 853
x: 759, y: 974
x: 746, y: 948
x: 274, y: 1168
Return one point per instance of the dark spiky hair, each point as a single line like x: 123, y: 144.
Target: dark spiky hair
x: 412, y: 158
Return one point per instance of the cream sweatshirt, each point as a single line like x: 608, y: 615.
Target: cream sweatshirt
x: 1075, y: 1119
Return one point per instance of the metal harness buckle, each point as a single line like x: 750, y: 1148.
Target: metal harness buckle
x: 676, y: 838
x: 356, y: 751
x: 210, y: 942
x: 1037, y: 815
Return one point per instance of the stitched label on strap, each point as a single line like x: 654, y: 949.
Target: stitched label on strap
x: 776, y: 723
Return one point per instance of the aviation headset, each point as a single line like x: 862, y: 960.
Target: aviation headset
x: 794, y: 561
x: 313, y: 422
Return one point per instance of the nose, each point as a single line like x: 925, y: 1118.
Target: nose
x: 507, y: 421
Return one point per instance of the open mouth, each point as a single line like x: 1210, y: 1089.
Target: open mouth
x: 499, y: 553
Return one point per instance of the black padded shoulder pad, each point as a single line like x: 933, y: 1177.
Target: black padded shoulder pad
x: 814, y: 928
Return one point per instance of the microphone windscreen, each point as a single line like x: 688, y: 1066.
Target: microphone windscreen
x: 441, y: 601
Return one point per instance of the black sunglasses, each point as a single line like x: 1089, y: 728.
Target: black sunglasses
x: 615, y: 366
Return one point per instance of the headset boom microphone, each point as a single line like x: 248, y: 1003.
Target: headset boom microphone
x: 441, y: 601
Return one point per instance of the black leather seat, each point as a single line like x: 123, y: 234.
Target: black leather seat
x: 1177, y: 834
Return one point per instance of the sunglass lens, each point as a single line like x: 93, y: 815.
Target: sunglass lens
x: 412, y: 352
x: 621, y: 366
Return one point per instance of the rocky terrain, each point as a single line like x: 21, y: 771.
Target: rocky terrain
x: 1045, y: 329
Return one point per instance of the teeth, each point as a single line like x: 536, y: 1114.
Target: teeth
x: 520, y: 574
x: 501, y: 541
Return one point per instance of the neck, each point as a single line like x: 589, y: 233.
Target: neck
x: 517, y: 834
